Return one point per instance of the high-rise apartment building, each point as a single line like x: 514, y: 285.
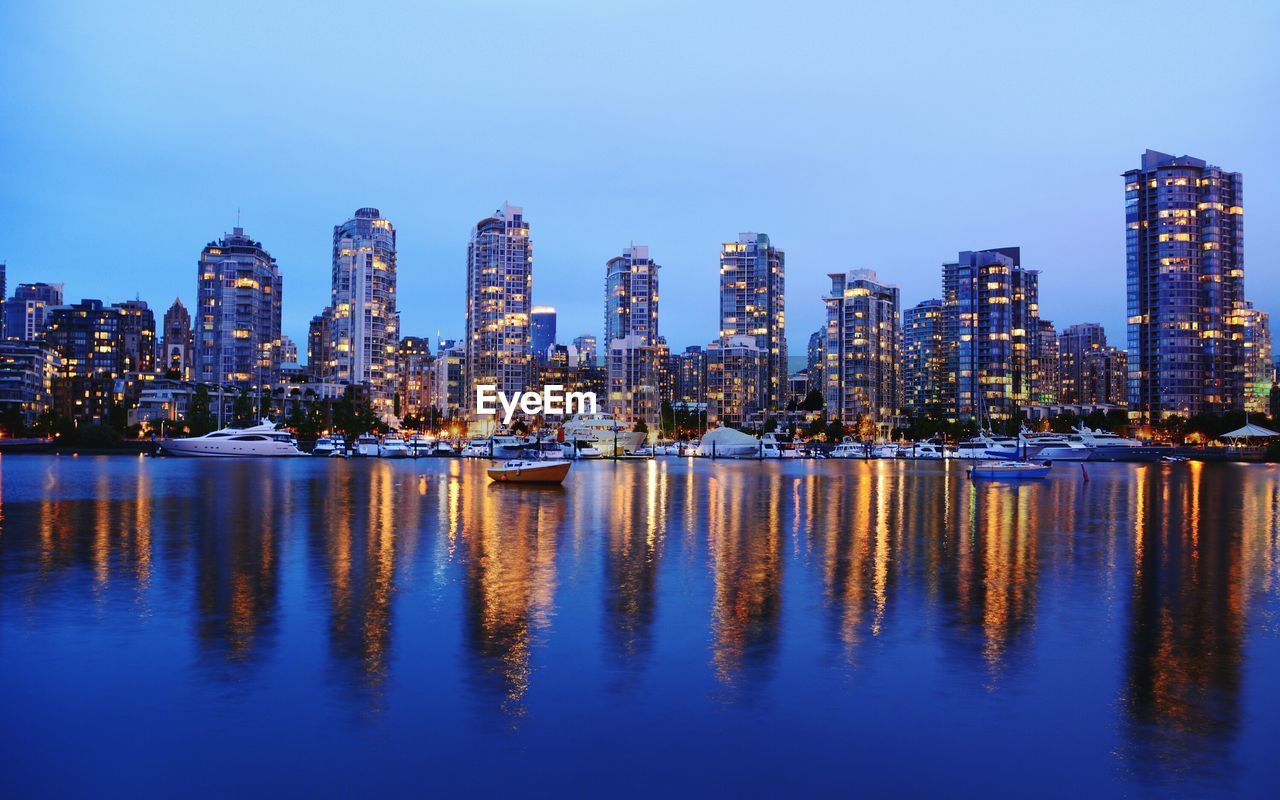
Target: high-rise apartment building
x: 447, y: 384
x: 542, y: 331
x: 924, y: 359
x: 239, y: 295
x: 735, y: 368
x: 137, y: 336
x: 89, y: 338
x: 27, y: 372
x: 1255, y: 357
x: 365, y: 331
x: 587, y: 349
x: 1184, y: 226
x: 415, y: 376
x: 752, y: 303
x: 630, y: 334
x: 321, y: 361
x: 25, y: 314
x: 990, y: 324
x: 691, y: 375
x: 176, y: 349
x: 1075, y: 343
x: 499, y: 286
x: 861, y: 351
x: 1044, y: 368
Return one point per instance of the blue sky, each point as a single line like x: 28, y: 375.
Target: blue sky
x: 883, y: 136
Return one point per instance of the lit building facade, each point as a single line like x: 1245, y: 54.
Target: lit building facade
x: 415, y: 376
x: 1075, y: 343
x: 814, y: 358
x: 631, y: 334
x: 691, y: 375
x: 735, y: 369
x: 178, y: 344
x: 499, y: 285
x: 365, y: 331
x: 752, y: 303
x: 542, y: 331
x: 990, y: 322
x: 924, y: 359
x: 26, y: 313
x: 137, y: 336
x: 88, y: 338
x: 1255, y: 357
x: 1104, y: 377
x: 447, y: 382
x: 1044, y: 368
x: 321, y: 362
x: 860, y: 372
x: 587, y: 349
x: 1184, y: 229
x: 27, y: 371
x: 239, y: 294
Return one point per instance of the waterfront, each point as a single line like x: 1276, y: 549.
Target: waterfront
x: 324, y: 626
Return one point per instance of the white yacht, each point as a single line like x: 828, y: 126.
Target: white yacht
x: 1056, y: 447
x: 1108, y: 446
x: 603, y: 432
x: 324, y: 446
x: 778, y: 445
x: 476, y: 448
x: 987, y: 446
x: 366, y: 445
x: 850, y: 449
x: 884, y: 450
x: 259, y: 440
x: 393, y: 446
x: 928, y: 449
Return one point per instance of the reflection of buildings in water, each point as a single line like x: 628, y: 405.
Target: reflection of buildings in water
x: 236, y: 528
x: 634, y: 535
x: 356, y: 508
x: 858, y: 524
x: 1195, y: 539
x: 987, y: 547
x: 745, y: 543
x: 509, y: 544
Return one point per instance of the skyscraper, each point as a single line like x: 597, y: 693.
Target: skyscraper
x: 25, y: 314
x: 735, y: 367
x: 630, y: 334
x: 691, y: 375
x: 752, y: 303
x: 1044, y: 369
x: 89, y: 340
x: 924, y: 359
x: 415, y: 376
x: 861, y: 370
x: 990, y: 320
x: 499, y: 285
x: 177, y: 346
x: 366, y: 326
x: 542, y: 331
x: 1184, y: 223
x: 239, y: 292
x: 137, y: 336
x: 814, y: 358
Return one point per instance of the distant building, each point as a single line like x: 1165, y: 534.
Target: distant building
x: 752, y: 303
x: 239, y: 296
x: 668, y: 368
x: 137, y: 336
x: 814, y: 358
x: 415, y: 376
x: 691, y: 375
x: 542, y: 331
x: 26, y: 313
x: 735, y: 369
x: 1074, y: 344
x: 861, y: 370
x: 3, y: 289
x: 27, y: 371
x: 924, y: 359
x: 89, y: 340
x: 499, y: 285
x: 321, y: 361
x: 1255, y: 357
x: 447, y: 377
x: 1044, y: 369
x: 288, y: 351
x: 631, y: 333
x: 1103, y: 378
x: 177, y: 349
x: 365, y: 330
x: 990, y: 320
x: 1184, y: 222
x: 588, y: 352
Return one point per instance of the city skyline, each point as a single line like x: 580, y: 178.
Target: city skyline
x: 808, y: 176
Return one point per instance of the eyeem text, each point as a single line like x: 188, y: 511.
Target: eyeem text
x: 553, y: 399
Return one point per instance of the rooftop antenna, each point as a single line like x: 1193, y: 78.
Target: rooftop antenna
x: 237, y: 216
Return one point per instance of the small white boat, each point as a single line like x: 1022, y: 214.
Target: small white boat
x: 393, y: 446
x: 521, y: 470
x: 476, y: 448
x: 775, y: 445
x: 442, y: 448
x: 928, y: 449
x: 581, y: 449
x: 849, y: 449
x: 1009, y: 470
x: 324, y: 447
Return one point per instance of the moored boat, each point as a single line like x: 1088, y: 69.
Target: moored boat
x: 1009, y: 470
x: 263, y: 439
x: 521, y: 470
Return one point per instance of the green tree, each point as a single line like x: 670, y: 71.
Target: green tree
x: 770, y: 424
x: 11, y: 421
x: 813, y: 401
x: 835, y: 430
x: 199, y: 418
x: 641, y: 427
x: 667, y: 419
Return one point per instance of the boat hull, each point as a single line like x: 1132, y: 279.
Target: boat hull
x: 544, y: 474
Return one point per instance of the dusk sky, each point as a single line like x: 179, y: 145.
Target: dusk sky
x: 856, y: 136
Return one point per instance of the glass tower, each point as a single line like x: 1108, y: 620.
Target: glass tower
x: 861, y: 351
x: 238, y: 290
x: 365, y: 331
x: 752, y: 303
x: 499, y: 285
x: 631, y: 335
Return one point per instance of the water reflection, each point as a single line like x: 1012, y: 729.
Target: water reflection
x: 1177, y: 561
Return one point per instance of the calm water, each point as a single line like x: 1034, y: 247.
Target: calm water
x: 174, y: 627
